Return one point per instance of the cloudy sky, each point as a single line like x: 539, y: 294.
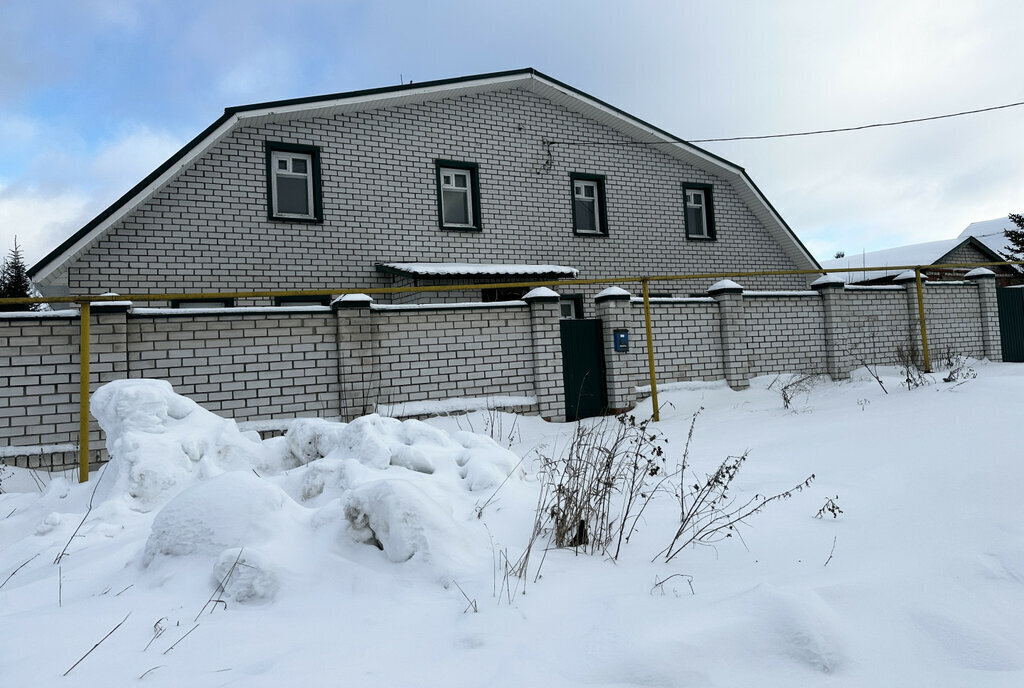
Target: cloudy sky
x: 95, y: 94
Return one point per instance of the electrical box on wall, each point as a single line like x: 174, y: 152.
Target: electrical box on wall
x: 621, y: 339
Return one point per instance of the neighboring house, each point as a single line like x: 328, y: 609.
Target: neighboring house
x: 965, y: 250
x: 512, y: 175
x: 992, y: 233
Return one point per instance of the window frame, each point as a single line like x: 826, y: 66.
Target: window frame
x: 278, y: 149
x: 473, y: 194
x: 574, y: 300
x: 601, y: 214
x: 707, y: 192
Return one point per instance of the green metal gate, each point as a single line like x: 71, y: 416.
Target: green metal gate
x: 1011, y: 322
x: 583, y: 369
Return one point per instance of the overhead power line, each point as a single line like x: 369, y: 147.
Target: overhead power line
x: 863, y: 126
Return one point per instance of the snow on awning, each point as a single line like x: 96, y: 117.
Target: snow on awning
x: 442, y: 270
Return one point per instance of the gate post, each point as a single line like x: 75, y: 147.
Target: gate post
x: 547, y: 353
x: 988, y: 311
x: 732, y: 324
x: 615, y: 312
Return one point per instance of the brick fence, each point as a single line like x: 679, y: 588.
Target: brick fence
x: 262, y: 365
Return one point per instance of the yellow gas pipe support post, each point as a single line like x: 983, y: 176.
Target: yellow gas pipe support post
x: 650, y: 350
x: 83, y: 394
x: 920, y: 315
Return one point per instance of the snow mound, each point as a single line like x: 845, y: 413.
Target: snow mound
x: 232, y: 510
x: 402, y: 521
x: 379, y: 442
x: 160, y: 442
x: 801, y: 626
x: 246, y: 575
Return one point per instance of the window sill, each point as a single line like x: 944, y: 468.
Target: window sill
x: 589, y: 234
x: 456, y: 228
x: 300, y: 220
x: 701, y: 238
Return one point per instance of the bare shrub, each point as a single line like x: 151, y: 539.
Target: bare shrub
x: 595, y: 492
x: 957, y: 369
x: 910, y: 362
x: 708, y: 513
x: 830, y: 508
x: 794, y: 386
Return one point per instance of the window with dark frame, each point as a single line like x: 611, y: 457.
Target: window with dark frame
x: 699, y: 211
x: 458, y: 195
x: 589, y: 213
x: 293, y: 182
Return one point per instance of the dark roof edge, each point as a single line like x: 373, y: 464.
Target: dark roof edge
x: 309, y: 100
x: 233, y: 111
x: 128, y: 195
x: 777, y: 214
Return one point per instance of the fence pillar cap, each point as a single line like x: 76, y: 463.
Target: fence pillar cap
x: 541, y: 295
x: 612, y: 294
x: 980, y: 273
x: 352, y: 301
x: 908, y: 276
x: 725, y: 286
x: 828, y: 281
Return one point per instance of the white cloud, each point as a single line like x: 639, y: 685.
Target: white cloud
x: 48, y: 205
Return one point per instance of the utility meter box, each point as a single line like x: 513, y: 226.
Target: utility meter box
x: 621, y: 339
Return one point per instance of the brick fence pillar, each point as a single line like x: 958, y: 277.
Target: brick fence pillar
x: 988, y: 310
x: 732, y: 324
x: 832, y: 290
x: 908, y: 281
x: 614, y: 308
x: 108, y: 359
x: 547, y: 353
x: 358, y: 374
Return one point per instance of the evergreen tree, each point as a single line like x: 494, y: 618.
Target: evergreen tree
x: 1016, y: 239
x: 14, y: 281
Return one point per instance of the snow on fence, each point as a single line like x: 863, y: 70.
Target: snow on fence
x: 257, y: 364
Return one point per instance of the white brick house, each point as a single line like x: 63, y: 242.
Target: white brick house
x: 510, y: 168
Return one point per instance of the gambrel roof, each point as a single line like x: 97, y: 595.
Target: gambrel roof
x: 355, y: 101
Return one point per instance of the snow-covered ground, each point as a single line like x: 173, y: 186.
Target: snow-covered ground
x: 373, y: 553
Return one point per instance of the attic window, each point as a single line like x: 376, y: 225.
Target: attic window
x: 699, y: 211
x: 588, y: 204
x: 458, y: 195
x: 293, y: 182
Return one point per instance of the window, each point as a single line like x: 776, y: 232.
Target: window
x: 570, y: 307
x: 293, y: 182
x: 588, y: 205
x: 458, y: 195
x: 699, y: 209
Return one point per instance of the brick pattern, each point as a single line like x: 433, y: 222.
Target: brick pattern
x: 796, y: 347
x: 250, y: 366
x: 952, y: 318
x: 874, y: 323
x: 208, y: 229
x: 288, y: 363
x: 428, y: 354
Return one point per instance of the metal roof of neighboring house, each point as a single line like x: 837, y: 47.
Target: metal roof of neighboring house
x: 928, y: 253
x: 441, y: 270
x: 990, y: 233
x: 328, y: 105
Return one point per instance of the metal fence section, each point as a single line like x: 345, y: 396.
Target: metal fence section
x: 84, y: 302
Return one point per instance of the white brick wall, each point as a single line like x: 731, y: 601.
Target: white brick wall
x: 208, y: 229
